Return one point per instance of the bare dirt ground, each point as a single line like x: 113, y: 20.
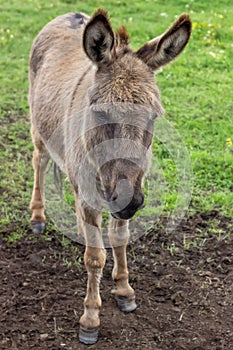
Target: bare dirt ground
x: 184, y: 296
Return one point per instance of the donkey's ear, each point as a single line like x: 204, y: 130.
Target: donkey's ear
x: 167, y: 46
x: 98, y: 37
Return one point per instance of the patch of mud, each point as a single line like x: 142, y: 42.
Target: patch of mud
x: 183, y: 283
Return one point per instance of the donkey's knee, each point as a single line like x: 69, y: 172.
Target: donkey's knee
x: 94, y: 258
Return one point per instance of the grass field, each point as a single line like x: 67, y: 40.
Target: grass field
x: 196, y: 93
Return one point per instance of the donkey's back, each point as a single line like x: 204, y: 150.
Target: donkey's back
x: 59, y: 71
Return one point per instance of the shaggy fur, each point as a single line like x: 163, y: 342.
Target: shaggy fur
x: 88, y: 87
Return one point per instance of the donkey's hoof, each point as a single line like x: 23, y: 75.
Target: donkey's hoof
x: 126, y: 304
x: 38, y: 226
x: 88, y: 336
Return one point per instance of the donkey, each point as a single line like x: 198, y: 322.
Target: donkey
x: 93, y: 101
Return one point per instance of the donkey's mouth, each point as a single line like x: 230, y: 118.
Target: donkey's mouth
x: 123, y: 215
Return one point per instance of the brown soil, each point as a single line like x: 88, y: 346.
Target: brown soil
x: 184, y: 296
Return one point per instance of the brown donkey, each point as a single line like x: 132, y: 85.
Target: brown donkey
x: 92, y: 102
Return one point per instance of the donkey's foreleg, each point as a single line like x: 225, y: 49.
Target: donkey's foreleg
x: 124, y: 293
x: 94, y: 259
x: 37, y: 204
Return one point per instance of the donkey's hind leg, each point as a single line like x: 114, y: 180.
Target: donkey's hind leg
x: 37, y: 204
x: 124, y: 293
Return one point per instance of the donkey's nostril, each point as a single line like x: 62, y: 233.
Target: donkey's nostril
x: 121, y: 196
x: 114, y: 196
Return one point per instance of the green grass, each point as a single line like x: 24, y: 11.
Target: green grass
x: 196, y: 93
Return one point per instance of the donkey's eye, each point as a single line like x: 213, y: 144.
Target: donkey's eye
x: 101, y: 118
x: 153, y: 116
x: 150, y: 126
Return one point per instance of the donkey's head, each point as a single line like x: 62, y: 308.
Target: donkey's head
x: 123, y: 102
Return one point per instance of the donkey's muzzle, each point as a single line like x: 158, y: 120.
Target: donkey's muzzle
x: 128, y: 212
x: 125, y: 200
